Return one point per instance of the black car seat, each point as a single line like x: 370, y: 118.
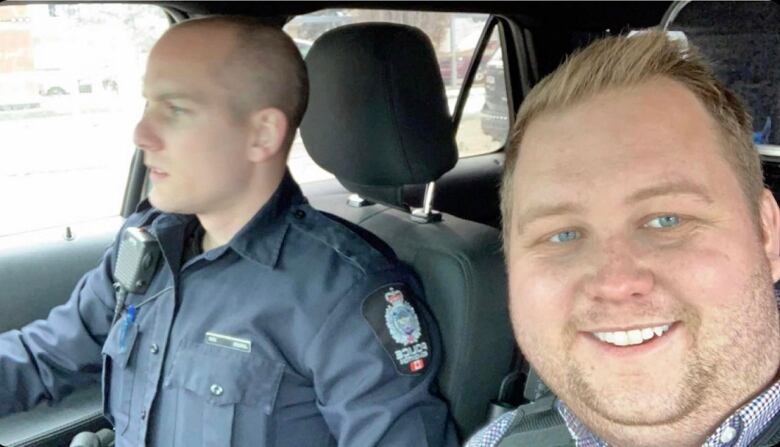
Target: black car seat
x: 378, y: 120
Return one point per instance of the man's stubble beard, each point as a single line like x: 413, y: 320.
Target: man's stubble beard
x: 722, y: 370
x: 612, y: 406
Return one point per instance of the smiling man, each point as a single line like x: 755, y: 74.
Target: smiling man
x: 642, y: 249
x: 267, y: 323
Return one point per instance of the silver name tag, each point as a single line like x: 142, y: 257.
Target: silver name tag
x: 225, y: 341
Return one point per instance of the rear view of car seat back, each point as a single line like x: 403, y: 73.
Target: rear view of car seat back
x: 378, y: 120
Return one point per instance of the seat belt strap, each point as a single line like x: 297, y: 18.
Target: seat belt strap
x: 770, y: 437
x: 537, y: 424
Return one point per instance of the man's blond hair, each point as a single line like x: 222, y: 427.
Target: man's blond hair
x: 623, y: 61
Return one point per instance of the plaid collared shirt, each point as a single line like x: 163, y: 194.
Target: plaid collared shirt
x: 738, y: 430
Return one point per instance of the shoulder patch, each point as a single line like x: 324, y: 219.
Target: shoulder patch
x: 392, y: 314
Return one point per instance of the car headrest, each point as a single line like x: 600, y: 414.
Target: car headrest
x: 377, y: 116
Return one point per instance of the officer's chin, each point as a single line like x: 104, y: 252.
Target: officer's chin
x: 164, y: 204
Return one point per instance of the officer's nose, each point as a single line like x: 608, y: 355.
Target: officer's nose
x: 618, y: 273
x: 145, y: 137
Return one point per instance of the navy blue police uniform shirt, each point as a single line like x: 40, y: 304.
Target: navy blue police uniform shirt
x: 301, y: 331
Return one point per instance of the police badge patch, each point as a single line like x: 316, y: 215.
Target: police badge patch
x: 401, y: 319
x: 394, y: 319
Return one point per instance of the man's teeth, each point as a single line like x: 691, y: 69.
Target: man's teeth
x: 632, y: 337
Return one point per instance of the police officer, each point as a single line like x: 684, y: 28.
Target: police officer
x: 267, y: 323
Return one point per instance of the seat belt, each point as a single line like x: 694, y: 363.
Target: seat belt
x: 535, y: 389
x: 537, y: 424
x: 770, y: 437
x: 509, y: 396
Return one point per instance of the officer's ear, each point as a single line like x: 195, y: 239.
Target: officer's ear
x: 267, y: 131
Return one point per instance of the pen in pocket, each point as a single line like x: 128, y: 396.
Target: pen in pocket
x: 126, y: 323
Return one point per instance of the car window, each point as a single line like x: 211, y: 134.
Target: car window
x: 484, y: 125
x: 454, y: 36
x: 66, y: 114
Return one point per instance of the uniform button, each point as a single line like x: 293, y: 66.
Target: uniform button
x: 154, y: 348
x: 299, y: 214
x: 728, y: 434
x: 216, y: 390
x: 143, y: 415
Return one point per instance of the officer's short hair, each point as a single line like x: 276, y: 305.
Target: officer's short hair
x: 623, y: 61
x: 265, y: 69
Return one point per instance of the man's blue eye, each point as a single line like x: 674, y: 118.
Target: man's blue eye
x: 175, y: 111
x: 564, y: 236
x: 667, y: 221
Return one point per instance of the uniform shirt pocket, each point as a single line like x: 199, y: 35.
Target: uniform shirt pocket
x: 118, y: 374
x: 218, y: 386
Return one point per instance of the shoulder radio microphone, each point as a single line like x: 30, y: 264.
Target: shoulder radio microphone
x: 136, y: 263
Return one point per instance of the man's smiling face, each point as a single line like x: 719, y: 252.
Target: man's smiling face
x: 640, y: 286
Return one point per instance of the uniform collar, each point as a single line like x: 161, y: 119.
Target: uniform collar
x: 260, y: 239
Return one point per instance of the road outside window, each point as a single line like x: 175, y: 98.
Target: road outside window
x: 70, y: 95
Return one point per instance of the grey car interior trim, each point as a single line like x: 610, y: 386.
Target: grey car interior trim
x: 672, y: 12
x: 41, y: 268
x: 471, y: 71
x: 769, y: 150
x: 356, y: 201
x: 35, y: 427
x: 426, y: 213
